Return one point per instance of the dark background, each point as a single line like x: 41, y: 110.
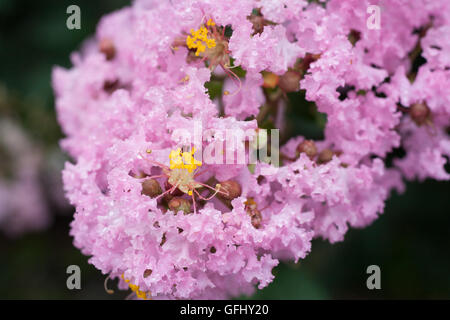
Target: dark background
x: 410, y: 241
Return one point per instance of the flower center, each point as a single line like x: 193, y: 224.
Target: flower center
x: 199, y: 39
x: 182, y: 166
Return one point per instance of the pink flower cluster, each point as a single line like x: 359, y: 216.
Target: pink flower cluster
x: 22, y: 203
x: 138, y: 81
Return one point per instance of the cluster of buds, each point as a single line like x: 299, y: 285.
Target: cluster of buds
x: 290, y: 80
x: 309, y: 148
x: 177, y: 204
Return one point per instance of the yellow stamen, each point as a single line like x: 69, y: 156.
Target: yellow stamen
x: 139, y: 293
x: 183, y: 160
x: 185, y: 79
x: 199, y: 39
x: 250, y: 203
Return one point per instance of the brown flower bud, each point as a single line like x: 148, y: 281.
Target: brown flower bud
x: 420, y: 113
x: 106, y: 46
x: 258, y: 24
x: 256, y: 219
x: 180, y: 204
x: 109, y: 86
x: 231, y: 190
x: 270, y: 80
x: 290, y: 81
x: 147, y: 273
x: 308, y: 147
x: 151, y: 188
x: 354, y: 36
x: 163, y: 239
x: 326, y: 155
x: 137, y: 175
x: 253, y: 212
x: 303, y: 64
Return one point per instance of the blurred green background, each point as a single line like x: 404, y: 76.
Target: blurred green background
x: 410, y: 241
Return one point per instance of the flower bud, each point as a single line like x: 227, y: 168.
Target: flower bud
x: 256, y: 218
x: 303, y: 65
x: 147, y: 273
x: 354, y: 36
x: 163, y: 239
x: 253, y: 212
x: 110, y: 86
x: 151, y: 188
x: 231, y: 188
x: 270, y: 80
x: 290, y: 81
x: 180, y: 204
x: 258, y: 23
x: 308, y: 147
x: 420, y: 113
x: 106, y: 46
x: 326, y: 155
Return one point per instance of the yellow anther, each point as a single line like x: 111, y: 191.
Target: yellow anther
x: 226, y: 92
x: 148, y: 151
x: 183, y: 160
x: 211, y: 22
x: 199, y: 39
x: 135, y: 288
x: 141, y: 294
x: 185, y: 79
x: 250, y: 203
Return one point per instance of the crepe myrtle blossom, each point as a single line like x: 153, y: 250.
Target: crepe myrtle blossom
x: 23, y: 206
x: 30, y: 175
x: 151, y: 212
